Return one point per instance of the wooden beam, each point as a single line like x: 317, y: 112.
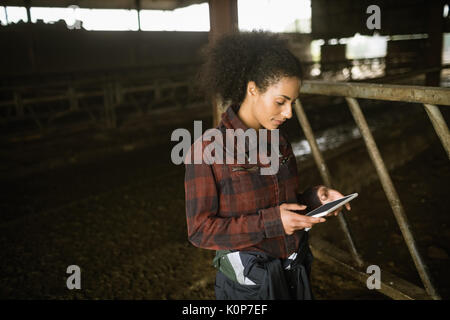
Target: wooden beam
x: 223, y: 19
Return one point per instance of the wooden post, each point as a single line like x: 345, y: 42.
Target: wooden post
x: 440, y: 126
x: 435, y: 39
x: 73, y: 101
x: 223, y: 18
x: 31, y: 41
x: 109, y: 103
x: 27, y: 6
x: 326, y: 176
x: 118, y: 92
x: 138, y: 8
x: 19, y: 104
x: 6, y: 15
x: 392, y: 195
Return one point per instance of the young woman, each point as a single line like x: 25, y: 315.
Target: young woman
x: 253, y: 221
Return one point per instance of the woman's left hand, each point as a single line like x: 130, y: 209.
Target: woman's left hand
x: 326, y: 195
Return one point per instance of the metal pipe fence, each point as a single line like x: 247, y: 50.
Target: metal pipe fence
x: 429, y: 97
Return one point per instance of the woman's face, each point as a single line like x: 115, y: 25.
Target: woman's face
x: 271, y: 108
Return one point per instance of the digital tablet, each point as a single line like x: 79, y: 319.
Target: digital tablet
x: 326, y: 208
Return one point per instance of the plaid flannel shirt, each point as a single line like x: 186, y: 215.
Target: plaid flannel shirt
x: 233, y: 206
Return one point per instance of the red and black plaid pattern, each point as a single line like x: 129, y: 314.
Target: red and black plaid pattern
x: 233, y: 206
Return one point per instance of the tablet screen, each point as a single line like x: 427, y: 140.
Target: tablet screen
x: 336, y: 203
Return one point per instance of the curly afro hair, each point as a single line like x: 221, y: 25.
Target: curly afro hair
x: 233, y: 60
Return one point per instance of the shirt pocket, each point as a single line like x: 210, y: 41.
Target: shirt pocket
x: 249, y: 187
x: 244, y: 178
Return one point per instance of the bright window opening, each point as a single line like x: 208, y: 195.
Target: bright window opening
x: 192, y: 18
x: 13, y: 15
x: 365, y: 47
x: 275, y: 15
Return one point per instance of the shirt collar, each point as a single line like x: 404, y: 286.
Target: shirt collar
x: 231, y: 120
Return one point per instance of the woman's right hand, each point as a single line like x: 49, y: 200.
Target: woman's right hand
x: 293, y: 221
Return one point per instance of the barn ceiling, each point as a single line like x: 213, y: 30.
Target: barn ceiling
x: 106, y: 4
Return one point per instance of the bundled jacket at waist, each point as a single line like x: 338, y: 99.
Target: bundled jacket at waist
x: 257, y: 275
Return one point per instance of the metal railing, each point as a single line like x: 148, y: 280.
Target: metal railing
x: 429, y: 97
x: 28, y: 101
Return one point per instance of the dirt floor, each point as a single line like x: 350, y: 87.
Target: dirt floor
x: 120, y: 217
